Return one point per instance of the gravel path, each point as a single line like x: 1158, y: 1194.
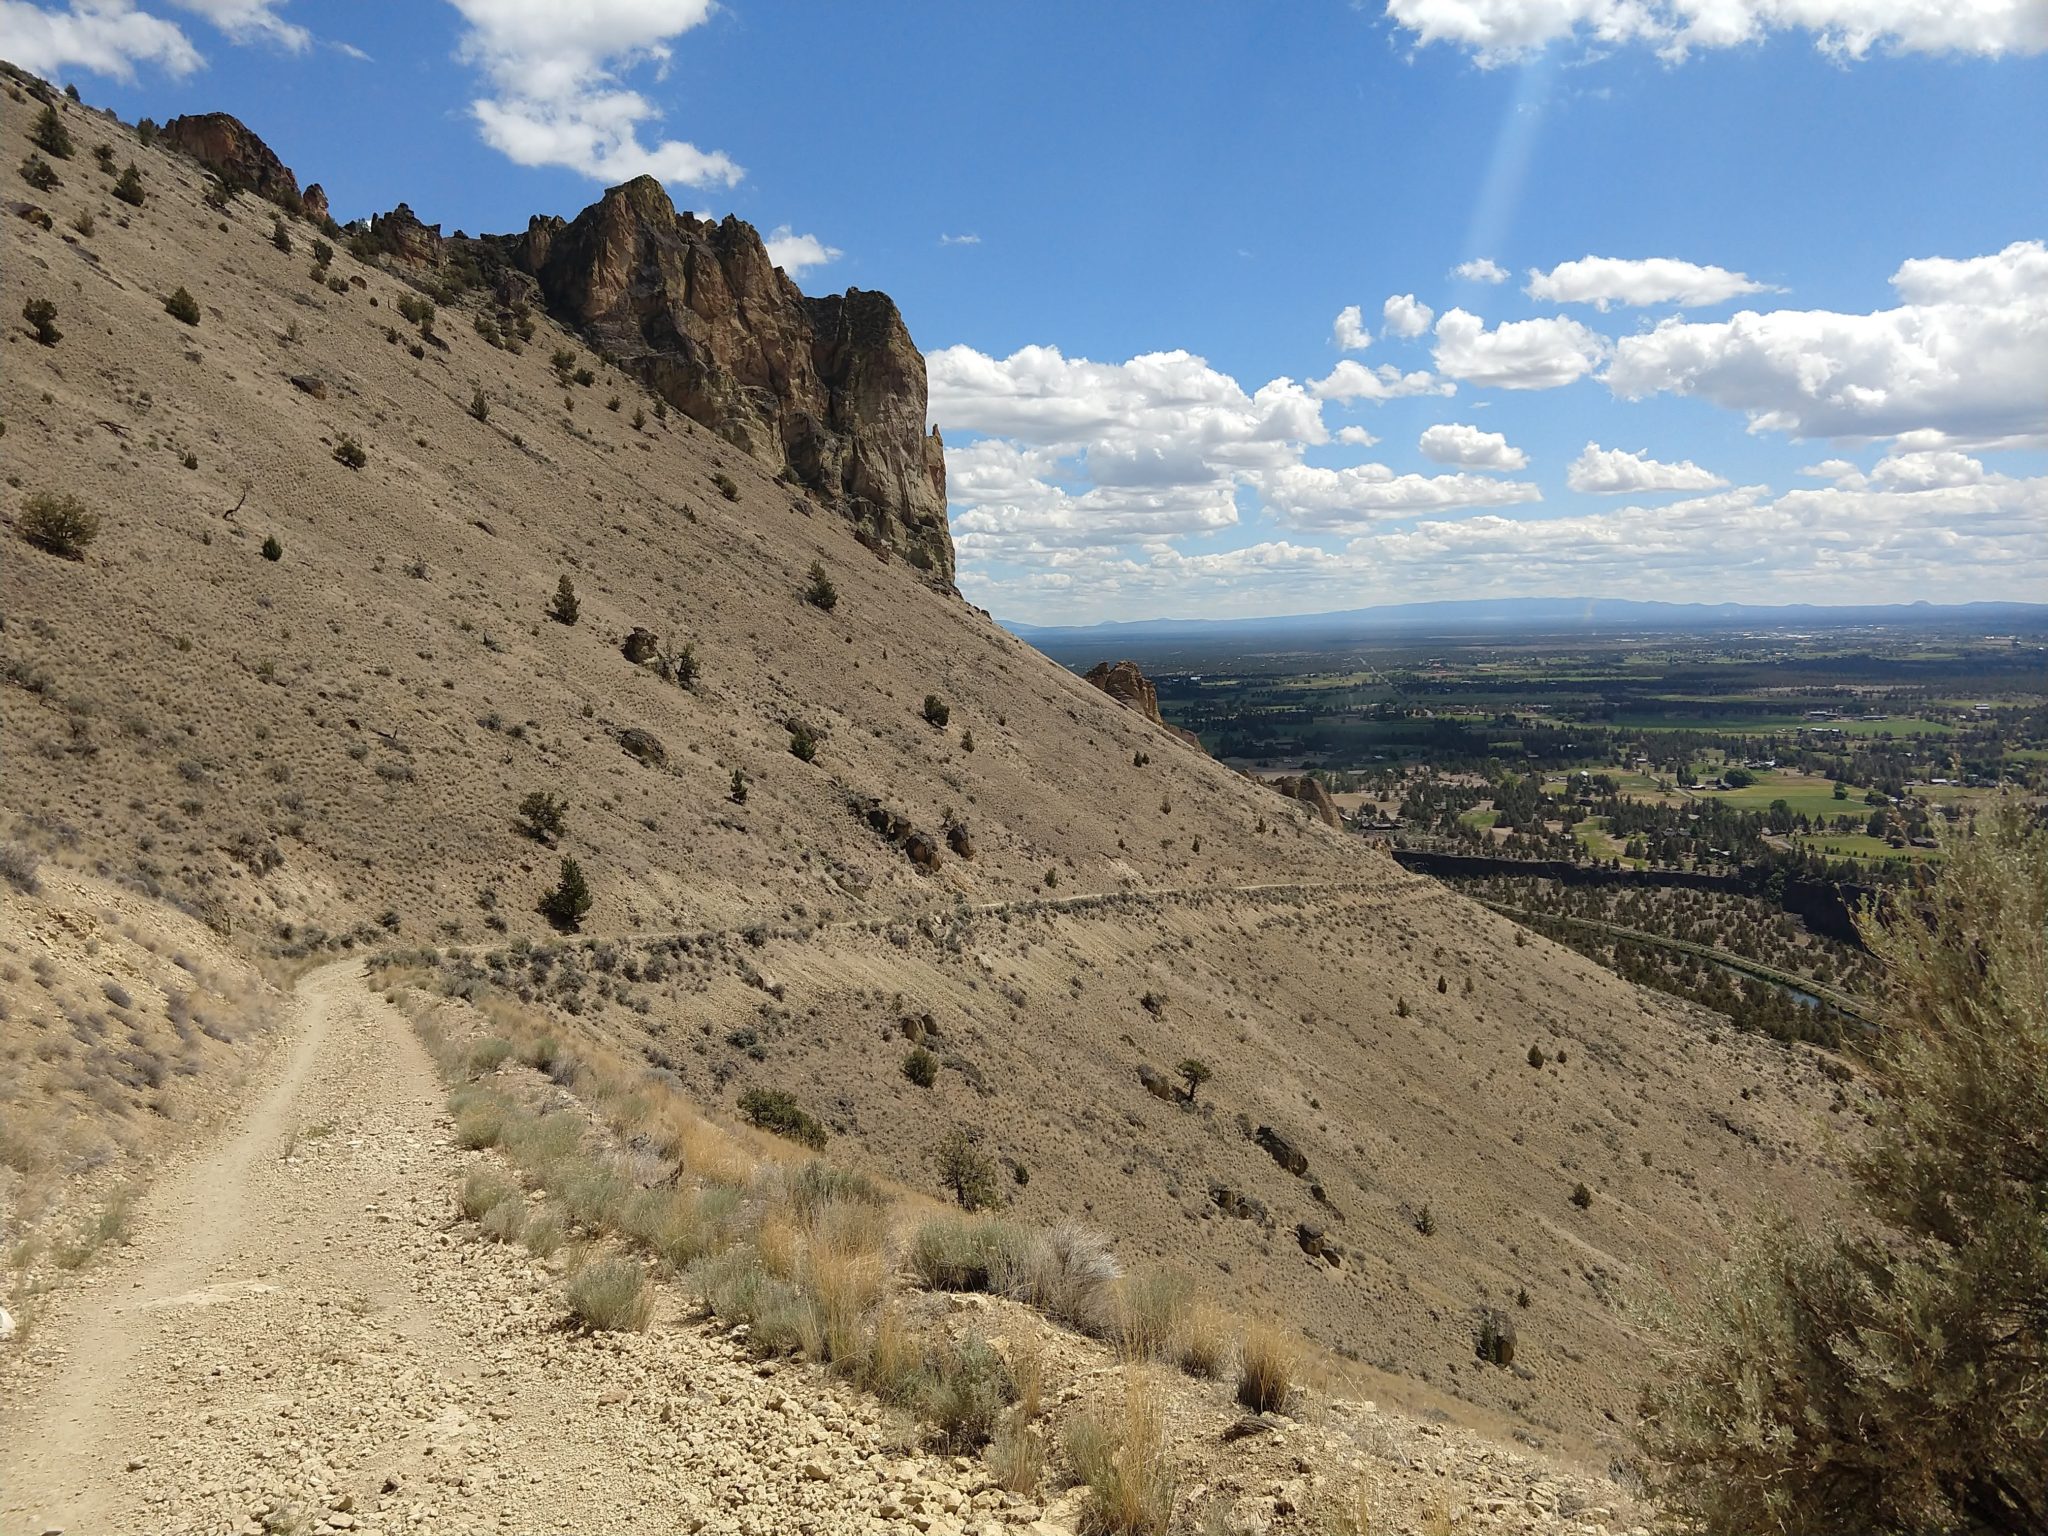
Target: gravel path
x: 299, y: 1339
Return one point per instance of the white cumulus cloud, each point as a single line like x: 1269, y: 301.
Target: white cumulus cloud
x: 559, y: 102
x: 1615, y: 471
x: 1357, y: 437
x: 1349, y: 329
x: 1828, y: 545
x: 1963, y: 361
x: 1501, y: 31
x: 1519, y: 354
x: 945, y: 239
x: 1405, y: 315
x: 1308, y: 497
x: 797, y: 254
x: 1482, y: 269
x: 1350, y: 381
x: 246, y: 21
x: 1084, y: 451
x: 1603, y: 281
x: 1927, y: 469
x: 1456, y: 443
x: 107, y: 37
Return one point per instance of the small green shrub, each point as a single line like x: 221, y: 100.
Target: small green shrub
x: 479, y: 404
x: 39, y: 173
x: 967, y: 1387
x: 280, y: 236
x: 726, y: 487
x: 966, y: 1170
x: 272, y: 550
x: 182, y: 306
x: 60, y: 524
x: 349, y: 452
x: 921, y: 1067
x: 50, y: 135
x: 565, y: 904
x: 543, y: 817
x: 803, y: 742
x: 936, y: 711
x: 738, y: 792
x: 564, y: 609
x: 1582, y: 1197
x: 772, y: 1109
x: 323, y: 253
x: 41, y: 314
x: 129, y: 187
x: 821, y: 593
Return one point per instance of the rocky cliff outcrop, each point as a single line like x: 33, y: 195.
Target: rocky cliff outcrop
x: 1310, y: 792
x: 831, y: 389
x: 400, y: 233
x: 226, y: 146
x: 1122, y: 681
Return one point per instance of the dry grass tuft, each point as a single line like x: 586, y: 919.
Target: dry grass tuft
x: 1125, y: 1464
x: 1270, y: 1368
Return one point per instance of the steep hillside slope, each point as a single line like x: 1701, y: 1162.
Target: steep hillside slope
x: 329, y: 748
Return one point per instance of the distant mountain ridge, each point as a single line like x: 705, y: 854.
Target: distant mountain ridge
x: 1483, y: 615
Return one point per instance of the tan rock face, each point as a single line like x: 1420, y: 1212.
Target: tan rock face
x: 401, y: 233
x: 1122, y: 681
x: 1310, y: 792
x: 314, y: 201
x: 831, y: 388
x: 228, y: 148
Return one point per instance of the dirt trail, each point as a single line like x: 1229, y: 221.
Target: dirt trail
x: 297, y: 1341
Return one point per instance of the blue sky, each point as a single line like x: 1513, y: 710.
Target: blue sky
x: 1765, y: 316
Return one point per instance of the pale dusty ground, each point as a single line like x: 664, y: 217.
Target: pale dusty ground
x: 301, y: 1338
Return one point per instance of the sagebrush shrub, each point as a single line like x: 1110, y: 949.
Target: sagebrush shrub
x: 1889, y: 1376
x: 129, y: 188
x: 610, y: 1295
x: 182, y: 306
x: 773, y: 1109
x: 59, y: 523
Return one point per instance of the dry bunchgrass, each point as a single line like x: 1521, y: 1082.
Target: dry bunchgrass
x: 1070, y: 1274
x: 1208, y: 1341
x: 1016, y: 1455
x: 1152, y: 1310
x: 610, y: 1295
x: 1126, y: 1463
x: 1270, y: 1368
x: 1025, y: 1353
x: 1349, y: 1512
